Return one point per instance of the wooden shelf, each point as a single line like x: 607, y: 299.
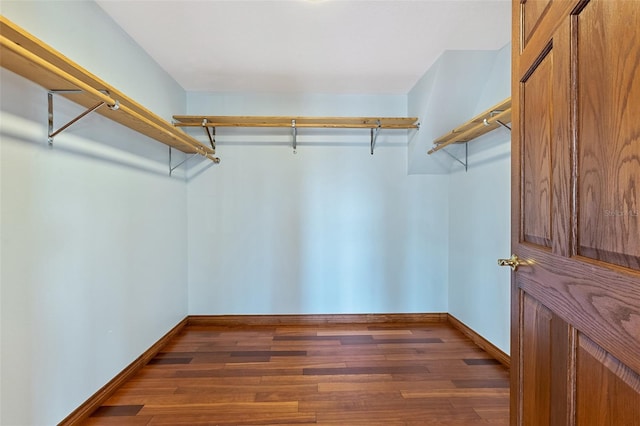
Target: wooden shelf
x: 375, y: 124
x: 31, y: 58
x: 298, y: 122
x: 487, y: 121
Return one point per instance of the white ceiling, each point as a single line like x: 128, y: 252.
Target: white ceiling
x: 299, y: 46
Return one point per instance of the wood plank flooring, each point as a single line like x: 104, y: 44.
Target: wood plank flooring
x: 391, y: 374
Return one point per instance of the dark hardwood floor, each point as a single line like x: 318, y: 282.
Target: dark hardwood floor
x: 390, y: 374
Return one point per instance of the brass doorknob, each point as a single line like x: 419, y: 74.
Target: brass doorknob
x: 513, y: 262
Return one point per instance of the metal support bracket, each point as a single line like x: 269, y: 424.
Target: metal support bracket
x: 172, y: 167
x: 466, y: 156
x: 503, y: 125
x: 374, y: 135
x: 294, y: 132
x: 210, y: 133
x: 494, y: 113
x: 53, y: 133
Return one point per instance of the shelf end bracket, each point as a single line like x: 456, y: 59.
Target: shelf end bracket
x: 172, y: 167
x: 503, y: 125
x: 211, y: 134
x: 51, y: 134
x: 294, y: 132
x: 374, y: 135
x: 465, y: 163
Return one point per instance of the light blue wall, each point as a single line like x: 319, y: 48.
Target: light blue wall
x: 479, y: 234
x: 461, y: 85
x: 443, y: 98
x: 331, y: 229
x: 479, y: 221
x: 93, y: 231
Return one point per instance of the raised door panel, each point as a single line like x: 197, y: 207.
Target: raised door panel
x: 545, y: 350
x: 607, y: 59
x: 607, y: 392
x: 537, y: 98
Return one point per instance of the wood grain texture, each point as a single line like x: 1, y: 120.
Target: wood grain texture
x: 609, y: 315
x: 562, y: 145
x: 608, y: 103
x: 617, y: 399
x: 588, y: 278
x: 117, y: 411
x: 544, y: 31
x: 381, y: 320
x: 302, y: 122
x: 476, y: 121
x: 517, y: 46
x: 532, y: 13
x: 546, y: 345
x: 355, y: 374
x: 495, y: 352
x: 536, y: 143
x: 536, y: 362
x: 477, y: 126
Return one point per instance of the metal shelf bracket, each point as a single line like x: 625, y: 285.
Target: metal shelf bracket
x: 172, y: 167
x: 294, y: 132
x: 211, y: 134
x: 53, y: 133
x: 493, y: 114
x: 374, y: 135
x: 503, y: 125
x: 466, y: 156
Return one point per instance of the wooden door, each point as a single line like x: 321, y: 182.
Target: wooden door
x: 576, y: 212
